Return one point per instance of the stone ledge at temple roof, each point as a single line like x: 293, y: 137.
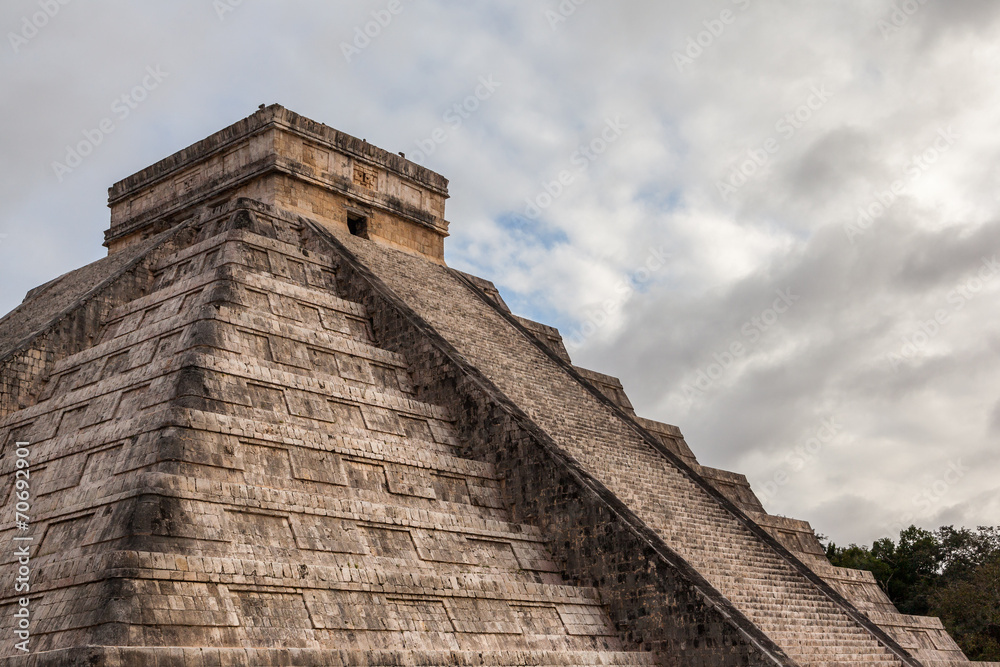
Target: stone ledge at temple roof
x: 276, y: 114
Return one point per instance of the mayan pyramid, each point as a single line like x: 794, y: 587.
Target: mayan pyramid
x: 272, y: 427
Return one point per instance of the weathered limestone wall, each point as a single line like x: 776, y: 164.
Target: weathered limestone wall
x: 282, y: 159
x: 65, y: 318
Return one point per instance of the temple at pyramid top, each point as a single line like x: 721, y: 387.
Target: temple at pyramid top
x: 292, y: 163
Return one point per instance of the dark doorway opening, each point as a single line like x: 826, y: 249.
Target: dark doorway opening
x: 358, y: 225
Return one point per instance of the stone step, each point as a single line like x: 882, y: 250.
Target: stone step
x: 148, y: 334
x: 378, y: 411
x: 297, y: 657
x: 363, y: 576
x: 381, y: 447
x: 444, y: 516
x: 244, y: 247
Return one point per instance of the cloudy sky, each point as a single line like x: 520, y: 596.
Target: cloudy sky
x: 774, y: 220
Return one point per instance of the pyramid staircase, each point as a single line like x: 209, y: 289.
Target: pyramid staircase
x: 273, y: 428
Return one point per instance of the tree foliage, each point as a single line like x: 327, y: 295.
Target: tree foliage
x: 950, y: 573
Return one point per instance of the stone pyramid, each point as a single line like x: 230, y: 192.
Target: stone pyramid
x: 272, y: 427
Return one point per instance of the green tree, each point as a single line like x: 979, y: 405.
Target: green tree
x: 906, y: 572
x: 859, y: 558
x: 916, y: 562
x: 970, y: 609
x: 965, y: 550
x: 951, y: 573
